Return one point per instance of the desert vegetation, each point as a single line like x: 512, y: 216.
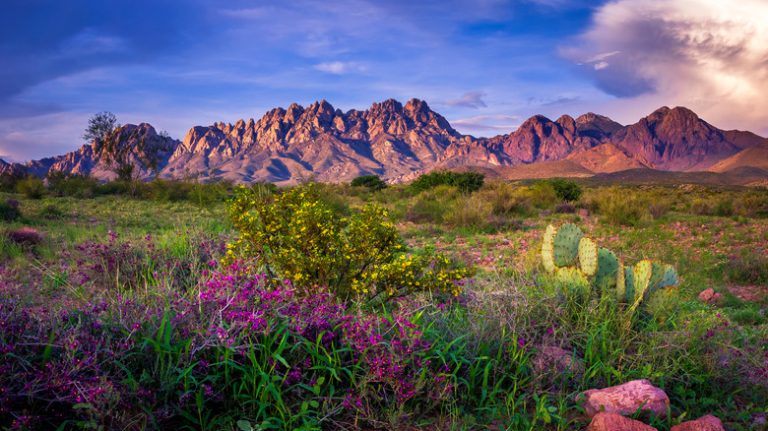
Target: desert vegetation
x: 454, y: 302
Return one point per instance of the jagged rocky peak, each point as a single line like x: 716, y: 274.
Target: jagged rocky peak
x: 596, y: 126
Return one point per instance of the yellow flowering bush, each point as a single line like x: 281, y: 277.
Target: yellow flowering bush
x: 296, y: 235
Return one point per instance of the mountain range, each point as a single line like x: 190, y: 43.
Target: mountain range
x: 399, y: 142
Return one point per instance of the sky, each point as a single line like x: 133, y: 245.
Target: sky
x: 486, y: 65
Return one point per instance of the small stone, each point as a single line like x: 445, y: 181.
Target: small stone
x: 704, y: 423
x: 707, y: 295
x: 626, y: 399
x: 616, y: 422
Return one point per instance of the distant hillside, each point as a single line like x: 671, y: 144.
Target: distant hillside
x: 754, y: 157
x: 399, y: 142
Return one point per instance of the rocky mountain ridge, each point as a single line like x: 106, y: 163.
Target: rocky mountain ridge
x: 399, y: 142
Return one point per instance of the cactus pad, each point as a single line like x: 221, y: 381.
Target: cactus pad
x: 607, y: 270
x: 566, y: 245
x: 629, y: 285
x: 643, y: 273
x: 669, y: 278
x: 588, y: 256
x: 547, y: 249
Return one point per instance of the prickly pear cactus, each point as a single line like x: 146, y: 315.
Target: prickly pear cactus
x: 643, y: 274
x: 629, y: 285
x: 573, y: 278
x: 566, y: 245
x: 607, y: 270
x: 547, y: 249
x: 588, y: 256
x: 669, y: 278
x: 657, y: 272
x: 621, y: 282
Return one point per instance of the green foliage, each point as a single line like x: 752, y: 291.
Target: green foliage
x: 81, y: 186
x: 296, y: 235
x: 566, y: 190
x: 31, y: 187
x: 466, y: 182
x: 373, y: 182
x: 100, y: 126
x: 618, y: 207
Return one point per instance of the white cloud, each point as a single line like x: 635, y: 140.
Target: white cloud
x: 340, y: 67
x: 471, y: 99
x: 709, y: 55
x: 481, y: 123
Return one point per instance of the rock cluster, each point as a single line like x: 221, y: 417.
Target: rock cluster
x: 609, y: 407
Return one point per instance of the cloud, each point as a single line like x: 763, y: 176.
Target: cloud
x: 341, y: 67
x: 472, y: 99
x: 709, y: 55
x: 478, y: 123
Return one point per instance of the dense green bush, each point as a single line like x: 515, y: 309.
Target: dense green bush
x: 296, y: 235
x: 9, y: 210
x: 372, y: 182
x: 566, y: 190
x: 31, y: 187
x: 466, y: 182
x: 81, y: 186
x: 433, y: 205
x: 619, y: 207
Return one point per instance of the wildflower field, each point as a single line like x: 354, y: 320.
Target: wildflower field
x: 178, y: 306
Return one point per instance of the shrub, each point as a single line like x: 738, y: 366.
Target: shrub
x: 9, y: 210
x: 31, y: 187
x: 433, y: 205
x: 542, y: 195
x: 619, y: 207
x: 466, y: 182
x: 81, y: 186
x: 566, y: 190
x: 51, y: 212
x: 749, y: 267
x: 373, y: 182
x: 297, y: 236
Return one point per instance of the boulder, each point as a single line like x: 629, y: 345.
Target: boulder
x: 626, y: 399
x: 709, y: 295
x: 704, y: 423
x: 616, y: 422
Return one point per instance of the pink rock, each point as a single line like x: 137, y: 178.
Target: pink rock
x: 616, y: 422
x: 704, y: 423
x: 626, y: 399
x: 709, y: 295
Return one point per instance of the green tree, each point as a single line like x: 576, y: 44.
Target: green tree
x: 373, y: 182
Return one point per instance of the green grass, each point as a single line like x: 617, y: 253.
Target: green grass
x: 703, y: 355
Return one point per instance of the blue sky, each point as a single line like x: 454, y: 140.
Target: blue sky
x: 484, y: 64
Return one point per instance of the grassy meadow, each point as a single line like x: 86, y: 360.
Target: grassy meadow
x: 426, y: 306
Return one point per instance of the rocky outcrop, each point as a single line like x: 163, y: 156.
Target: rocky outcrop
x: 678, y: 140
x: 387, y: 139
x: 616, y: 422
x: 400, y: 142
x: 626, y: 399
